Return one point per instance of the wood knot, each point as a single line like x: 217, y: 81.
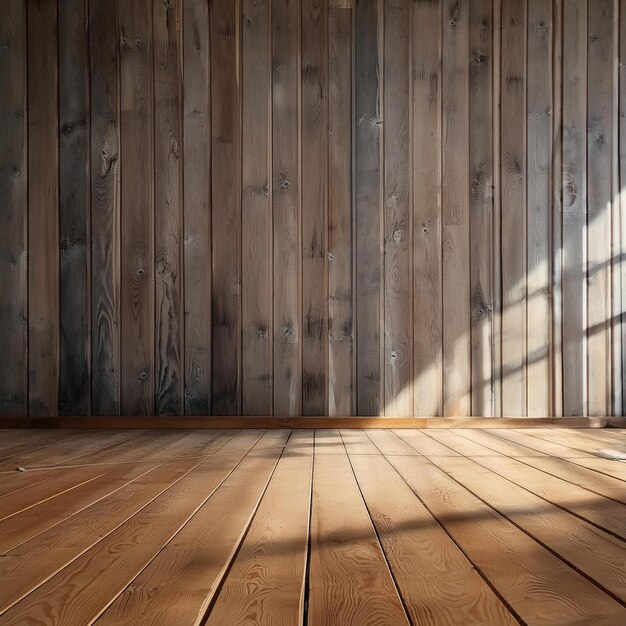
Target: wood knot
x: 143, y: 375
x: 331, y: 256
x: 284, y: 185
x: 15, y: 172
x: 265, y: 190
x: 288, y: 330
x: 67, y: 129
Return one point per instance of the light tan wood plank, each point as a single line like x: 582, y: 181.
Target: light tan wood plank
x: 178, y: 585
x: 538, y: 586
x: 125, y: 552
x: 265, y: 584
x: 349, y: 581
x: 588, y: 549
x: 438, y: 584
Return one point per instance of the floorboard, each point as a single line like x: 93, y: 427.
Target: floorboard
x: 424, y: 527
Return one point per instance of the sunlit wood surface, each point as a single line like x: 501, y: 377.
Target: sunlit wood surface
x: 279, y: 527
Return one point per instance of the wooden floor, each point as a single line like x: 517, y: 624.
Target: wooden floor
x: 319, y: 527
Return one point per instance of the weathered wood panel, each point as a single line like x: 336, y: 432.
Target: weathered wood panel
x: 372, y: 207
x: 105, y: 209
x: 167, y: 18
x: 398, y: 218
x: 43, y: 209
x: 256, y: 210
x: 137, y: 212
x: 287, y: 209
x: 14, y: 211
x: 455, y: 210
x: 368, y: 189
x: 226, y: 206
x: 341, y: 399
x: 74, y: 393
x: 197, y: 207
x: 427, y: 278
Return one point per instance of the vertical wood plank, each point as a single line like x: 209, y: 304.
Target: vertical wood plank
x: 617, y: 243
x: 197, y: 207
x: 599, y: 197
x: 398, y: 223
x: 622, y: 192
x: 167, y: 17
x: 427, y: 287
x: 226, y: 200
x: 256, y: 210
x: 367, y: 188
x: 539, y: 163
x: 43, y: 204
x: 74, y: 388
x: 14, y: 214
x: 455, y: 210
x: 314, y: 184
x: 574, y: 293
x: 481, y: 204
x: 496, y: 337
x: 287, y: 269
x: 105, y: 209
x: 513, y: 205
x: 137, y: 207
x: 556, y: 360
x: 341, y: 400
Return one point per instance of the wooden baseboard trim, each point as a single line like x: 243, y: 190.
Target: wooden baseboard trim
x: 309, y: 422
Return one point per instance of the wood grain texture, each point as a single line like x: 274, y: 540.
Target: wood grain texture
x: 600, y: 137
x: 301, y: 527
x: 368, y: 189
x: 574, y: 206
x: 427, y: 567
x: 328, y: 207
x: 167, y: 21
x: 14, y: 220
x: 341, y: 301
x: 225, y: 35
x: 349, y: 581
x: 74, y: 217
x: 541, y: 590
x: 105, y: 210
x: 455, y: 210
x: 256, y: 210
x: 398, y: 219
x: 314, y: 204
x: 266, y: 582
x: 197, y: 207
x: 137, y: 215
x: 513, y: 168
x: 481, y: 205
x: 427, y: 224
x: 287, y: 208
x: 43, y: 216
x: 539, y: 158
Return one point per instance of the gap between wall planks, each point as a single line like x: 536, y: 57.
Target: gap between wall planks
x: 374, y: 208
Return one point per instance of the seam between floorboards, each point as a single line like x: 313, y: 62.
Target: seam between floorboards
x: 526, y: 532
x: 538, y: 469
x: 102, y: 538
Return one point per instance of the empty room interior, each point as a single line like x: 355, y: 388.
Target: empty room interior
x: 313, y: 312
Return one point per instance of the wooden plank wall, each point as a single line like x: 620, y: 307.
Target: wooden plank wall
x: 324, y: 207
